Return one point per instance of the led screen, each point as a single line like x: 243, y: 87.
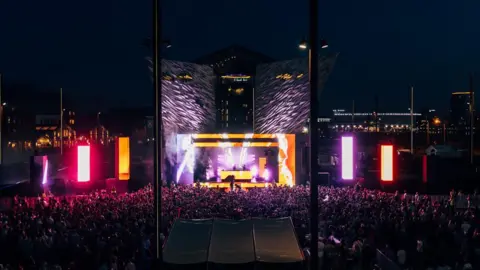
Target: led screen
x: 386, y: 163
x: 83, y: 163
x: 347, y: 158
x: 246, y: 156
x: 123, y: 158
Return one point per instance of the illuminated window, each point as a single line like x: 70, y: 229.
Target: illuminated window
x: 239, y: 91
x: 245, y: 105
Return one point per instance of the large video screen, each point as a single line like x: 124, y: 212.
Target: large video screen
x: 255, y: 158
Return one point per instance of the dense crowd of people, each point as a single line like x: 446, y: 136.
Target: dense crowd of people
x: 104, y: 230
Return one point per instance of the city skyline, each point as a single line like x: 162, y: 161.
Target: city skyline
x: 379, y: 51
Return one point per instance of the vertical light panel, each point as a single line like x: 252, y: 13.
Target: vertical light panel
x: 262, y: 161
x: 123, y: 158
x: 347, y: 158
x: 83, y: 163
x: 45, y: 170
x: 424, y: 169
x: 386, y: 163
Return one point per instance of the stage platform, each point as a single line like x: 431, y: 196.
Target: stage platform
x: 243, y: 185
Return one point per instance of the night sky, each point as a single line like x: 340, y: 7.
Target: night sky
x: 94, y: 48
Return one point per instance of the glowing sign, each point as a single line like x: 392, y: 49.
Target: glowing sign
x: 123, y: 158
x: 386, y: 163
x: 83, y: 163
x: 347, y: 158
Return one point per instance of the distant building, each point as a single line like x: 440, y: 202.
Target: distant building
x: 460, y: 109
x: 369, y: 121
x: 49, y: 132
x: 235, y: 70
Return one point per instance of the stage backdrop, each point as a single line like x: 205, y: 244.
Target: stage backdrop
x: 282, y: 97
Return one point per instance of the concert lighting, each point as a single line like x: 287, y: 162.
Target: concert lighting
x: 386, y: 163
x: 254, y: 171
x: 347, y: 158
x: 83, y: 163
x: 282, y: 106
x: 266, y: 175
x: 45, y: 170
x: 123, y: 158
x: 228, y: 155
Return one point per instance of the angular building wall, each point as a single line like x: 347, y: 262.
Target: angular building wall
x: 188, y: 97
x: 282, y: 97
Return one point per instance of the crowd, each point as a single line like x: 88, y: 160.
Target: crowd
x: 107, y: 231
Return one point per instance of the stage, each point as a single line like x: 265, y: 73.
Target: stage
x: 250, y: 159
x: 242, y: 185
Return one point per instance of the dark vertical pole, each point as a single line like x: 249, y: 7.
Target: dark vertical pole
x: 2, y: 107
x: 353, y: 113
x: 376, y: 117
x: 314, y: 93
x: 157, y: 144
x: 411, y: 121
x: 61, y: 121
x: 472, y: 119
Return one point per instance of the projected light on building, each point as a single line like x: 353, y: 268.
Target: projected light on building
x: 123, y: 158
x: 386, y: 163
x: 83, y: 163
x: 348, y: 166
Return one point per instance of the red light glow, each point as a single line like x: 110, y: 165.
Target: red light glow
x: 83, y: 163
x: 386, y: 165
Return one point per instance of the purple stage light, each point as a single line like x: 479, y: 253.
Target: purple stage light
x: 347, y: 158
x: 266, y: 175
x: 254, y: 171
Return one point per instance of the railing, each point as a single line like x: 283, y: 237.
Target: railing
x: 385, y: 263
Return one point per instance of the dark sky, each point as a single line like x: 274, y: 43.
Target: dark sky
x: 94, y: 48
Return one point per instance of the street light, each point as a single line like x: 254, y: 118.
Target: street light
x: 157, y: 146
x: 303, y: 45
x: 313, y: 69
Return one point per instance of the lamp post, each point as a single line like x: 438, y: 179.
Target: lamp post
x: 156, y: 43
x: 313, y: 50
x: 1, y: 122
x: 157, y: 126
x: 61, y: 121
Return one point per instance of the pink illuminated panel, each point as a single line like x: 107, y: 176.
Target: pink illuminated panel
x: 386, y: 163
x: 83, y: 163
x: 347, y: 158
x: 45, y: 170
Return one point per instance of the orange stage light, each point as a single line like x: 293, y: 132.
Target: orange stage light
x: 123, y: 158
x: 234, y: 144
x: 234, y: 136
x: 239, y: 175
x: 262, y: 162
x: 386, y: 163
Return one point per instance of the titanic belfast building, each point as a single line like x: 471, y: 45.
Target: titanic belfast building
x: 236, y: 96
x: 235, y: 70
